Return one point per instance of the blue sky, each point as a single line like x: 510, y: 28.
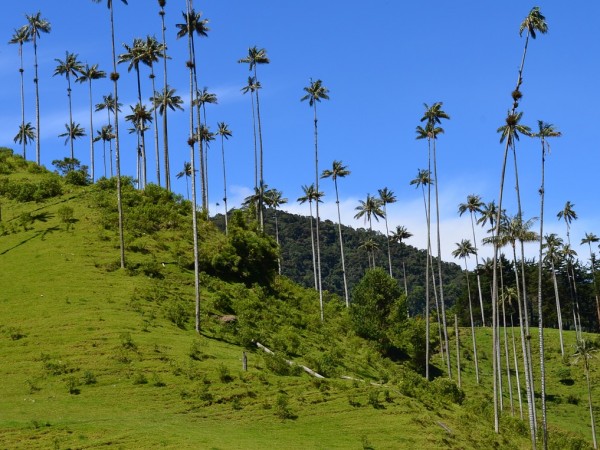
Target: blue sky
x: 381, y: 61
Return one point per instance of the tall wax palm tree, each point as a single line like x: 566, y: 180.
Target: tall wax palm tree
x: 105, y: 135
x: 256, y: 57
x: 225, y: 133
x: 114, y: 76
x: 474, y: 205
x: 21, y: 36
x: 193, y: 24
x: 398, y: 236
x: 463, y: 250
x: 589, y: 239
x: 533, y: 23
x: 545, y: 131
x: 338, y: 170
x: 387, y: 196
x: 151, y: 50
x: 433, y: 116
x: 370, y: 209
x: 36, y: 25
x: 274, y: 199
x: 163, y: 101
x: 552, y: 244
x: 187, y: 173
x: 315, y: 92
x: 89, y: 74
x: 252, y: 86
x: 310, y: 195
x: 68, y: 67
x: 25, y: 135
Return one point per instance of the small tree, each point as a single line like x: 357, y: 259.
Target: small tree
x: 377, y: 303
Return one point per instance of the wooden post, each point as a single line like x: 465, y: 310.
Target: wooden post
x: 457, y: 347
x: 244, y: 362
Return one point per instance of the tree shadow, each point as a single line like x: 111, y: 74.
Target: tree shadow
x: 42, y: 217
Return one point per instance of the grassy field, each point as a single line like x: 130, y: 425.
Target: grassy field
x: 90, y: 362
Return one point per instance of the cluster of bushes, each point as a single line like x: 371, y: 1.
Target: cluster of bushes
x: 24, y: 190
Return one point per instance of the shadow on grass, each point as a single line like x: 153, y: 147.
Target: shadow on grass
x: 41, y: 233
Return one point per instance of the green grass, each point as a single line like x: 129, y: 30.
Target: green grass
x: 90, y: 358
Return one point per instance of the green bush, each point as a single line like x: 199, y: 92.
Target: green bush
x: 375, y: 301
x: 448, y: 390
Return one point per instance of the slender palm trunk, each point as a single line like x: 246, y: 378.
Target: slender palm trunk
x: 115, y: 78
x: 193, y: 176
x: 22, y: 72
x: 529, y: 366
x: 456, y: 334
x: 224, y: 183
x: 70, y: 116
x: 317, y: 202
x: 591, y: 408
x: 439, y: 252
x: 262, y: 182
x: 478, y: 277
x: 526, y: 355
x: 558, y: 309
x: 387, y: 235
x: 156, y: 149
x: 167, y: 168
x: 193, y: 100
x: 517, y: 378
x: 92, y: 165
x: 472, y: 324
x: 427, y: 265
x: 540, y: 310
x: 437, y: 309
x: 337, y: 201
x: 506, y: 356
x: 37, y: 98
x: 277, y: 240
x: 312, y: 242
x: 404, y: 276
x: 495, y: 292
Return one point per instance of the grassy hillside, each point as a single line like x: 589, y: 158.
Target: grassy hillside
x: 95, y: 356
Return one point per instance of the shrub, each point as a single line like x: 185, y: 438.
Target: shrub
x: 89, y: 377
x: 224, y: 374
x: 282, y: 408
x: 72, y: 385
x: 448, y: 390
x: 65, y: 213
x: 140, y: 378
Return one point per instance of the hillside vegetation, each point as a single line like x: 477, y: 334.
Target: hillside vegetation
x: 96, y: 356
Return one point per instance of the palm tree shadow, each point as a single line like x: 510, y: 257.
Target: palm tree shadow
x: 41, y: 233
x: 42, y: 217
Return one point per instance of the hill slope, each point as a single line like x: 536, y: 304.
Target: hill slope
x: 97, y: 356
